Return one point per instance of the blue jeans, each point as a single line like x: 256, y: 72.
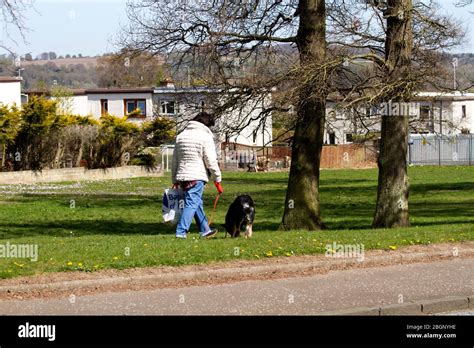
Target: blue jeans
x: 193, y: 208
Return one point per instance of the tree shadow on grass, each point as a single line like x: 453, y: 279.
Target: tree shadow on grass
x: 458, y: 186
x: 337, y: 212
x: 105, y: 227
x: 83, y: 227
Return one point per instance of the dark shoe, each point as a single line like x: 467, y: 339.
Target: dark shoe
x: 209, y: 234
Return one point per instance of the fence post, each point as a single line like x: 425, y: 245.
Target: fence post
x: 163, y: 161
x: 439, y: 151
x: 409, y: 153
x: 470, y: 150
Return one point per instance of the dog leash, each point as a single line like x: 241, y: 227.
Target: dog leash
x: 214, y: 209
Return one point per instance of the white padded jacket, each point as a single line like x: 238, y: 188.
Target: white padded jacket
x: 194, y: 154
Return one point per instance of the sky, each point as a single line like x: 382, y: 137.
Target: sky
x: 72, y: 27
x: 89, y: 26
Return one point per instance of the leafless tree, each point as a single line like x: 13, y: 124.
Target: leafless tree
x: 12, y: 16
x: 397, y: 46
x: 220, y: 39
x: 119, y: 70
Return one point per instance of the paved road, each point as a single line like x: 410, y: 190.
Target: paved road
x: 369, y: 287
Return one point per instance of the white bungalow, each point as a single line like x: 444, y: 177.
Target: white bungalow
x: 10, y: 91
x: 180, y: 104
x: 429, y: 112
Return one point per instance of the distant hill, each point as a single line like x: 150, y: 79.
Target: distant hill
x: 88, y: 62
x: 84, y: 72
x: 70, y: 72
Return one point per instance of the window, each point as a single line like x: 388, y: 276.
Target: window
x: 254, y: 136
x: 368, y: 112
x: 332, y: 138
x: 464, y: 112
x: 349, y: 138
x: 425, y: 113
x: 168, y: 107
x: 132, y: 105
x: 104, y: 106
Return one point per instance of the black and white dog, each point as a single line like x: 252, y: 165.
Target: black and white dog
x: 241, y: 213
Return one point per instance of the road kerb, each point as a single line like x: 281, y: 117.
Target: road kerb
x: 421, y: 307
x: 444, y: 305
x: 232, y: 274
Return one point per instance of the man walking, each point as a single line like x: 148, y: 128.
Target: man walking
x: 194, y: 156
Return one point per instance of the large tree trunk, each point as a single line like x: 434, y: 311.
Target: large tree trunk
x: 302, y: 209
x: 4, y: 152
x: 393, y: 186
x: 80, y: 153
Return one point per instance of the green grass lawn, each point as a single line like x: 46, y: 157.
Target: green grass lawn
x: 117, y: 224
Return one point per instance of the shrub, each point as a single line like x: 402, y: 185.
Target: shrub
x: 37, y: 117
x: 146, y: 157
x: 9, y: 126
x: 117, y: 142
x: 159, y: 131
x: 41, y: 137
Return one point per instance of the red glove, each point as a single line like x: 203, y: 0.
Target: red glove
x: 218, y: 185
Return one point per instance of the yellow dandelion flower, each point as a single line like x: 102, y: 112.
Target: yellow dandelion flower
x: 288, y: 254
x: 269, y: 254
x: 393, y: 247
x: 69, y: 263
x: 80, y: 264
x: 116, y: 258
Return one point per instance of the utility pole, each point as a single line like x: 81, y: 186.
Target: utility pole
x: 455, y: 63
x: 189, y: 76
x: 17, y: 63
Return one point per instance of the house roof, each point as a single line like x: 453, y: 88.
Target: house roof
x: 454, y: 96
x: 77, y: 92
x: 48, y: 93
x: 420, y: 96
x: 119, y: 90
x: 10, y: 79
x: 178, y: 90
